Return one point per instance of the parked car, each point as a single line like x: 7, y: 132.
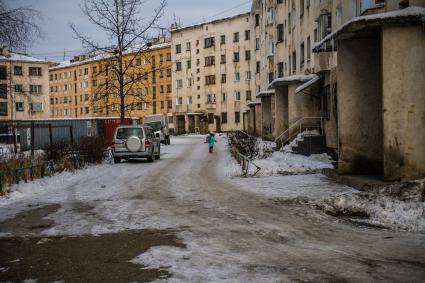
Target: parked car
x: 159, y: 123
x: 137, y: 141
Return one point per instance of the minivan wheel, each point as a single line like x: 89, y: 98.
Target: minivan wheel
x: 117, y: 160
x: 158, y: 156
x: 150, y: 158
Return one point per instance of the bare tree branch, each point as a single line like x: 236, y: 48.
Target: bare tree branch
x: 19, y: 27
x: 128, y: 34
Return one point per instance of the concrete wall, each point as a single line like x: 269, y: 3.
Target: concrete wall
x: 267, y: 119
x: 302, y: 105
x: 251, y: 125
x: 403, y: 52
x: 360, y: 105
x: 281, y: 110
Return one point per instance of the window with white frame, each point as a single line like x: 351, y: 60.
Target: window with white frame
x: 179, y: 84
x: 237, y: 95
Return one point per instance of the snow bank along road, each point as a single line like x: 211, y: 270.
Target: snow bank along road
x: 182, y: 220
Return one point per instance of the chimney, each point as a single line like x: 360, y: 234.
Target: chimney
x: 4, y: 51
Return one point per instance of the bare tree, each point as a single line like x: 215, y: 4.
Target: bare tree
x: 129, y: 36
x: 19, y: 26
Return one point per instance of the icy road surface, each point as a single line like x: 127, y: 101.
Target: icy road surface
x: 234, y: 229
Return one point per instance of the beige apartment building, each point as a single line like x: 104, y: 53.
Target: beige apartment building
x: 24, y: 87
x: 84, y: 86
x: 212, y: 75
x: 352, y: 68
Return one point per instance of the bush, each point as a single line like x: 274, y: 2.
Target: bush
x: 244, y: 143
x: 92, y: 149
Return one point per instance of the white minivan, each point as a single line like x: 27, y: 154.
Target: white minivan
x: 136, y: 141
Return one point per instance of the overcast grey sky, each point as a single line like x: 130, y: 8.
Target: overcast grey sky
x: 59, y: 13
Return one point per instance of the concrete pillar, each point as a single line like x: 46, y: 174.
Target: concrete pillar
x: 245, y: 121
x: 197, y: 121
x: 360, y: 105
x: 403, y: 55
x: 267, y: 119
x: 186, y: 123
x: 258, y: 120
x: 281, y: 110
x: 251, y: 128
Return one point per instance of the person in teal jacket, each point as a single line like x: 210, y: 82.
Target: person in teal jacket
x: 211, y: 142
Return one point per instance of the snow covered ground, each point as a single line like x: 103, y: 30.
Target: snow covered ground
x: 235, y: 229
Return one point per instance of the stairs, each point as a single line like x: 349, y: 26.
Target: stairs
x: 311, y: 145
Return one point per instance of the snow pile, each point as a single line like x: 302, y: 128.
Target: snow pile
x: 285, y: 163
x: 264, y: 148
x: 404, y: 210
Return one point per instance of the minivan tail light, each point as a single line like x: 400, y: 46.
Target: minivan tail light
x: 147, y: 143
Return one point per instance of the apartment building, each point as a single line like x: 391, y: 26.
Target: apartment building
x: 344, y: 67
x: 212, y: 74
x: 24, y: 86
x: 86, y: 87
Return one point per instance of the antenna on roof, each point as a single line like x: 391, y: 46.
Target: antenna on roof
x: 64, y: 54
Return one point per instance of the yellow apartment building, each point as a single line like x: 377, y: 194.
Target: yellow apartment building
x: 87, y: 86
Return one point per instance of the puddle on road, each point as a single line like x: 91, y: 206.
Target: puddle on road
x: 30, y: 222
x: 103, y: 258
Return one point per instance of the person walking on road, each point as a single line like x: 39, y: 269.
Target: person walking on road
x: 211, y: 142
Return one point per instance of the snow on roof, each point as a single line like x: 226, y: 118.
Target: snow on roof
x: 408, y: 14
x: 105, y: 55
x: 265, y: 93
x: 211, y: 22
x: 12, y: 56
x: 304, y: 86
x: 292, y: 79
x: 253, y: 103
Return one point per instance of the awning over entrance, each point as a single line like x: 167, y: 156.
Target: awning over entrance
x: 295, y: 79
x: 265, y: 93
x: 253, y: 103
x: 309, y: 87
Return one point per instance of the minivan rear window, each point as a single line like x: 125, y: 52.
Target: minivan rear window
x: 125, y: 133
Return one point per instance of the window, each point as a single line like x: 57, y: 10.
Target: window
x: 257, y: 44
x: 257, y: 20
x: 209, y: 42
x: 168, y: 56
x: 178, y: 48
x: 235, y: 56
x: 210, y: 80
x: 189, y: 64
x: 248, y: 75
x: 35, y: 88
x: 224, y: 117
x: 19, y: 106
x: 223, y: 97
x: 248, y: 55
x: 237, y: 95
x: 169, y: 89
x: 189, y: 100
x: 258, y: 67
x: 34, y: 71
x: 210, y: 98
x: 17, y: 70
x: 3, y: 108
x: 138, y: 61
x: 308, y: 49
x: 248, y: 95
x: 237, y: 117
x: 237, y: 76
x: 19, y: 88
x: 189, y: 82
x: 178, y: 66
x: 187, y: 46
x: 179, y: 100
x: 37, y: 107
x: 280, y: 33
x: 247, y: 35
x: 302, y: 54
x: 236, y: 37
x: 324, y: 25
x: 161, y: 104
x: 169, y: 104
x: 271, y: 77
x: 223, y: 59
x: 209, y: 61
x: 3, y: 73
x: 179, y: 84
x: 280, y: 70
x: 169, y: 73
x: 86, y: 71
x: 223, y: 78
x: 222, y: 39
x: 301, y: 8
